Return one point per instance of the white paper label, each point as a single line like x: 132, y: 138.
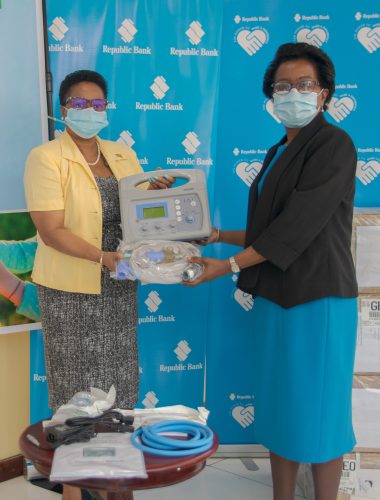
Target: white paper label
x: 349, y: 474
x: 370, y: 312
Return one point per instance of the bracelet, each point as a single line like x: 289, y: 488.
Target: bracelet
x: 15, y: 290
x: 217, y: 234
x: 101, y: 259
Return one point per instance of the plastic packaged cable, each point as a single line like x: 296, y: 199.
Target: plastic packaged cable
x: 84, y: 404
x: 156, y: 261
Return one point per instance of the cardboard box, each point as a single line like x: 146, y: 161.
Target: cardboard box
x: 365, y: 246
x: 366, y: 412
x: 360, y: 478
x: 367, y: 358
x: 361, y: 469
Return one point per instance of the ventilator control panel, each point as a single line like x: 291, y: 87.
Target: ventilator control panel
x: 178, y: 213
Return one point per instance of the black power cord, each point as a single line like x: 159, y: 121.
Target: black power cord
x: 111, y: 419
x: 82, y: 429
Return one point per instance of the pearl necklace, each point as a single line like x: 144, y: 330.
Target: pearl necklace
x: 97, y: 158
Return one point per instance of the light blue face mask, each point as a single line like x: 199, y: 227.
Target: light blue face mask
x: 87, y: 122
x: 295, y: 110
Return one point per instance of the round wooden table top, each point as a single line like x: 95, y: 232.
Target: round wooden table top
x: 162, y: 471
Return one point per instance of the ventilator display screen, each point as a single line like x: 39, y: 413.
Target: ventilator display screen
x: 154, y: 212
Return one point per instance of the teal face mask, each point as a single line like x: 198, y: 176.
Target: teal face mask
x: 295, y: 110
x: 87, y: 122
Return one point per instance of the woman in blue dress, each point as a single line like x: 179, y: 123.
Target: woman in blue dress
x: 297, y: 264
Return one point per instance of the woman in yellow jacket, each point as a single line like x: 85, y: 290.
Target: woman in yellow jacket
x: 71, y: 183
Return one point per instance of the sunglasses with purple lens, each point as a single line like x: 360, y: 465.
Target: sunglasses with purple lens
x: 83, y: 103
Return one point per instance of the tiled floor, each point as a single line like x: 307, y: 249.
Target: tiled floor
x: 222, y: 479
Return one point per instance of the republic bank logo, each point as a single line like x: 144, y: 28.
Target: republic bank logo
x: 153, y: 301
x: 361, y: 15
x: 126, y: 138
x: 195, y: 33
x: 313, y: 35
x: 314, y: 17
x: 367, y: 170
x: 150, y: 400
x: 191, y: 143
x: 182, y: 350
x: 341, y: 106
x: 248, y: 171
x: 127, y: 30
x: 369, y: 37
x: 244, y: 415
x: 159, y: 87
x: 252, y: 40
x: 58, y: 29
x: 253, y: 19
x: 245, y: 300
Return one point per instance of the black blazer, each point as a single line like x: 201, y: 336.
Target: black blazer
x: 302, y: 221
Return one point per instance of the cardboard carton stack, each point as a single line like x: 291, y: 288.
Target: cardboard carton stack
x: 361, y: 469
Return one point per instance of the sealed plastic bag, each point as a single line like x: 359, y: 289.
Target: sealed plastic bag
x: 160, y: 262
x: 84, y: 404
x: 108, y: 455
x: 147, y: 416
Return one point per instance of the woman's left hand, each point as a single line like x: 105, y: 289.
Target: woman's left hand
x: 213, y: 268
x: 164, y: 182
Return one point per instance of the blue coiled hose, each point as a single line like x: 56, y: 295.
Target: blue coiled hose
x: 150, y: 440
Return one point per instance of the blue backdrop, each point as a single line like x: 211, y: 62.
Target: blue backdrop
x: 185, y: 90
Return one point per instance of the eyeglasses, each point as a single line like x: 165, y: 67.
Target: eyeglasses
x: 82, y: 103
x: 303, y: 86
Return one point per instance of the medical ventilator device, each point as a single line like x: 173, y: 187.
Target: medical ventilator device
x: 180, y: 213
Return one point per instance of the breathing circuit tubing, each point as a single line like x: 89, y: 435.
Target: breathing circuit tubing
x: 150, y: 440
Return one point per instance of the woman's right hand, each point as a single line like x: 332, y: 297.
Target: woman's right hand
x: 213, y: 238
x: 110, y: 259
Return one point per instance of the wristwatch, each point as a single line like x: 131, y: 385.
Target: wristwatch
x: 234, y: 267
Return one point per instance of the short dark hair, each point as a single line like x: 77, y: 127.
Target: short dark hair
x: 82, y: 75
x: 291, y: 51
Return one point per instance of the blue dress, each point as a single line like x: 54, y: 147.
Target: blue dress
x: 303, y: 367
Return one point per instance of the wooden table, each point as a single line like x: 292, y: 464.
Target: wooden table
x: 162, y: 471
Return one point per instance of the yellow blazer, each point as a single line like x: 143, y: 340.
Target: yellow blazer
x: 57, y: 177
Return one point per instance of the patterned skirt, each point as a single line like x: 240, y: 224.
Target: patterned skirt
x: 91, y: 340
